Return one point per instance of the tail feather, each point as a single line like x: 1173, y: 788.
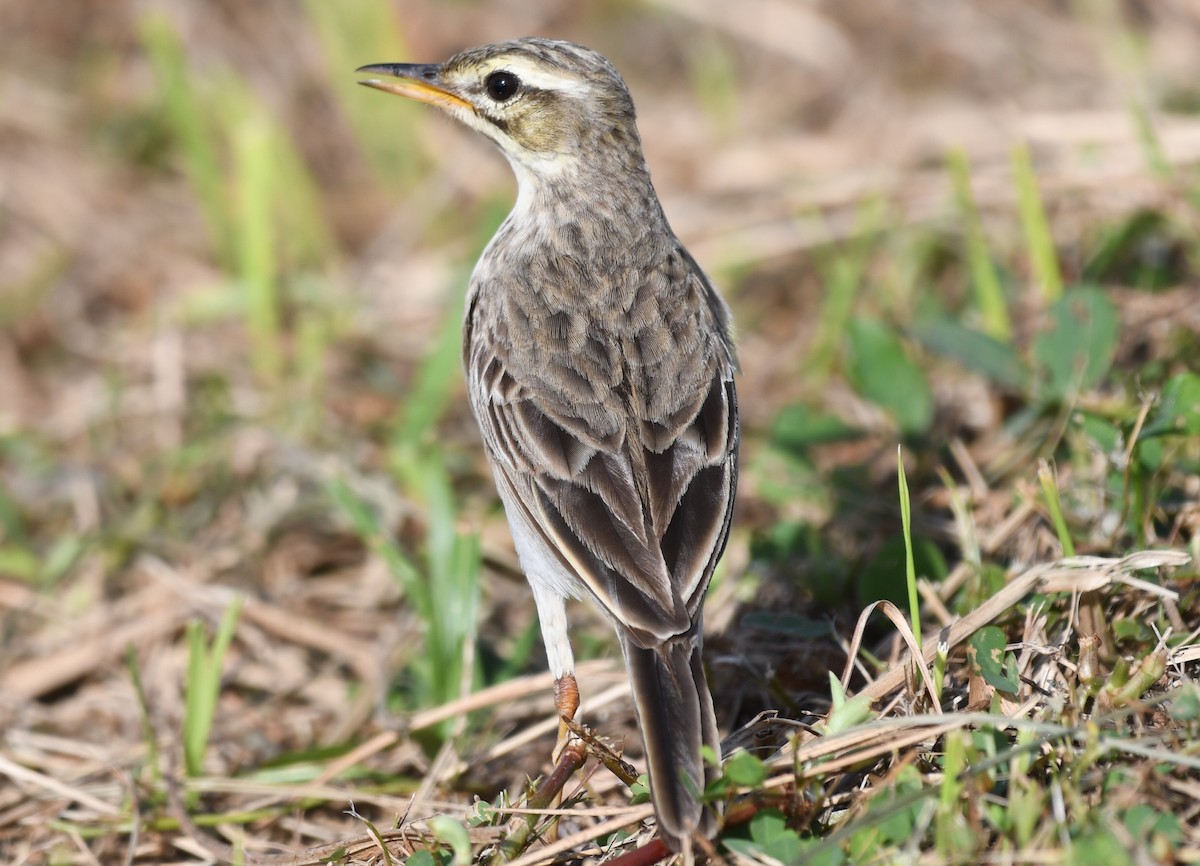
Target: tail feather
x: 675, y: 713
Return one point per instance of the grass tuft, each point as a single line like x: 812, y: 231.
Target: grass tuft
x: 203, y: 686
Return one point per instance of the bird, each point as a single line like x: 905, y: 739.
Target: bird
x: 600, y: 364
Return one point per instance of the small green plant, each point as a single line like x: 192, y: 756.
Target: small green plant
x: 443, y: 589
x: 844, y: 712
x: 261, y: 205
x: 203, y: 685
x: 881, y: 369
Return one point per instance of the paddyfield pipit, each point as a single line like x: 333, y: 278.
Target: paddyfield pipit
x: 600, y: 366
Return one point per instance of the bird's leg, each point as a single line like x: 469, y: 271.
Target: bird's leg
x: 566, y: 701
x: 566, y: 696
x: 552, y: 616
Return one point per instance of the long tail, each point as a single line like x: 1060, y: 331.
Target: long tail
x: 675, y: 711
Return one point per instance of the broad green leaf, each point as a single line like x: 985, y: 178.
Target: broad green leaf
x: 454, y: 834
x: 770, y: 832
x: 1095, y: 846
x: 1178, y: 410
x: 845, y: 713
x: 883, y: 577
x: 1143, y: 821
x: 745, y: 770
x: 422, y: 857
x: 1100, y: 430
x: 985, y: 650
x: 1075, y: 352
x: 881, y: 370
x: 785, y: 478
x: 798, y: 427
x: 1186, y: 705
x: 976, y: 351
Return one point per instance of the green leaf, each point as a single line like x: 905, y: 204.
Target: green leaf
x: 797, y: 428
x: 433, y: 386
x: 1150, y: 453
x: 1143, y: 821
x: 639, y: 791
x: 1075, y: 352
x: 884, y: 576
x: 745, y: 770
x: 1178, y: 409
x: 1186, y: 705
x: 1100, y: 430
x: 422, y: 857
x: 910, y: 566
x: 454, y: 834
x: 891, y: 818
x: 985, y: 650
x: 785, y: 478
x: 770, y: 832
x: 845, y: 713
x: 19, y: 562
x: 1097, y: 846
x: 976, y: 351
x: 881, y: 370
x: 1131, y: 628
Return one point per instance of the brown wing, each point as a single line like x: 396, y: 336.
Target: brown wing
x: 627, y: 473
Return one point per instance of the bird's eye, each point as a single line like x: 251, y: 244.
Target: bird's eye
x: 502, y: 85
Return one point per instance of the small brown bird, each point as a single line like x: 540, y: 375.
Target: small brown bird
x: 600, y: 367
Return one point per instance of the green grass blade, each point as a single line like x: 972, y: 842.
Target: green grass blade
x: 188, y: 121
x: 198, y: 701
x: 366, y: 523
x: 989, y: 294
x: 841, y: 275
x: 1152, y: 149
x: 353, y: 35
x: 1038, y: 239
x: 257, y: 266
x: 1050, y: 492
x: 433, y: 386
x: 139, y: 691
x: 454, y: 565
x: 910, y: 568
x: 203, y: 685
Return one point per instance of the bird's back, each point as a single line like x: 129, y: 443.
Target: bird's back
x: 607, y: 390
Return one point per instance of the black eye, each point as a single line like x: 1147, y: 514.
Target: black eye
x: 502, y: 85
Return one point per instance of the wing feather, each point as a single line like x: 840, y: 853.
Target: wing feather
x: 629, y: 489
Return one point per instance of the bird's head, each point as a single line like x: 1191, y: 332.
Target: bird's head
x: 550, y: 106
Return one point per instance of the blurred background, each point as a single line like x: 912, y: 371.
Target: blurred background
x: 231, y: 284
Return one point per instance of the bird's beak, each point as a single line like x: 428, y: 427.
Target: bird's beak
x: 419, y: 81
